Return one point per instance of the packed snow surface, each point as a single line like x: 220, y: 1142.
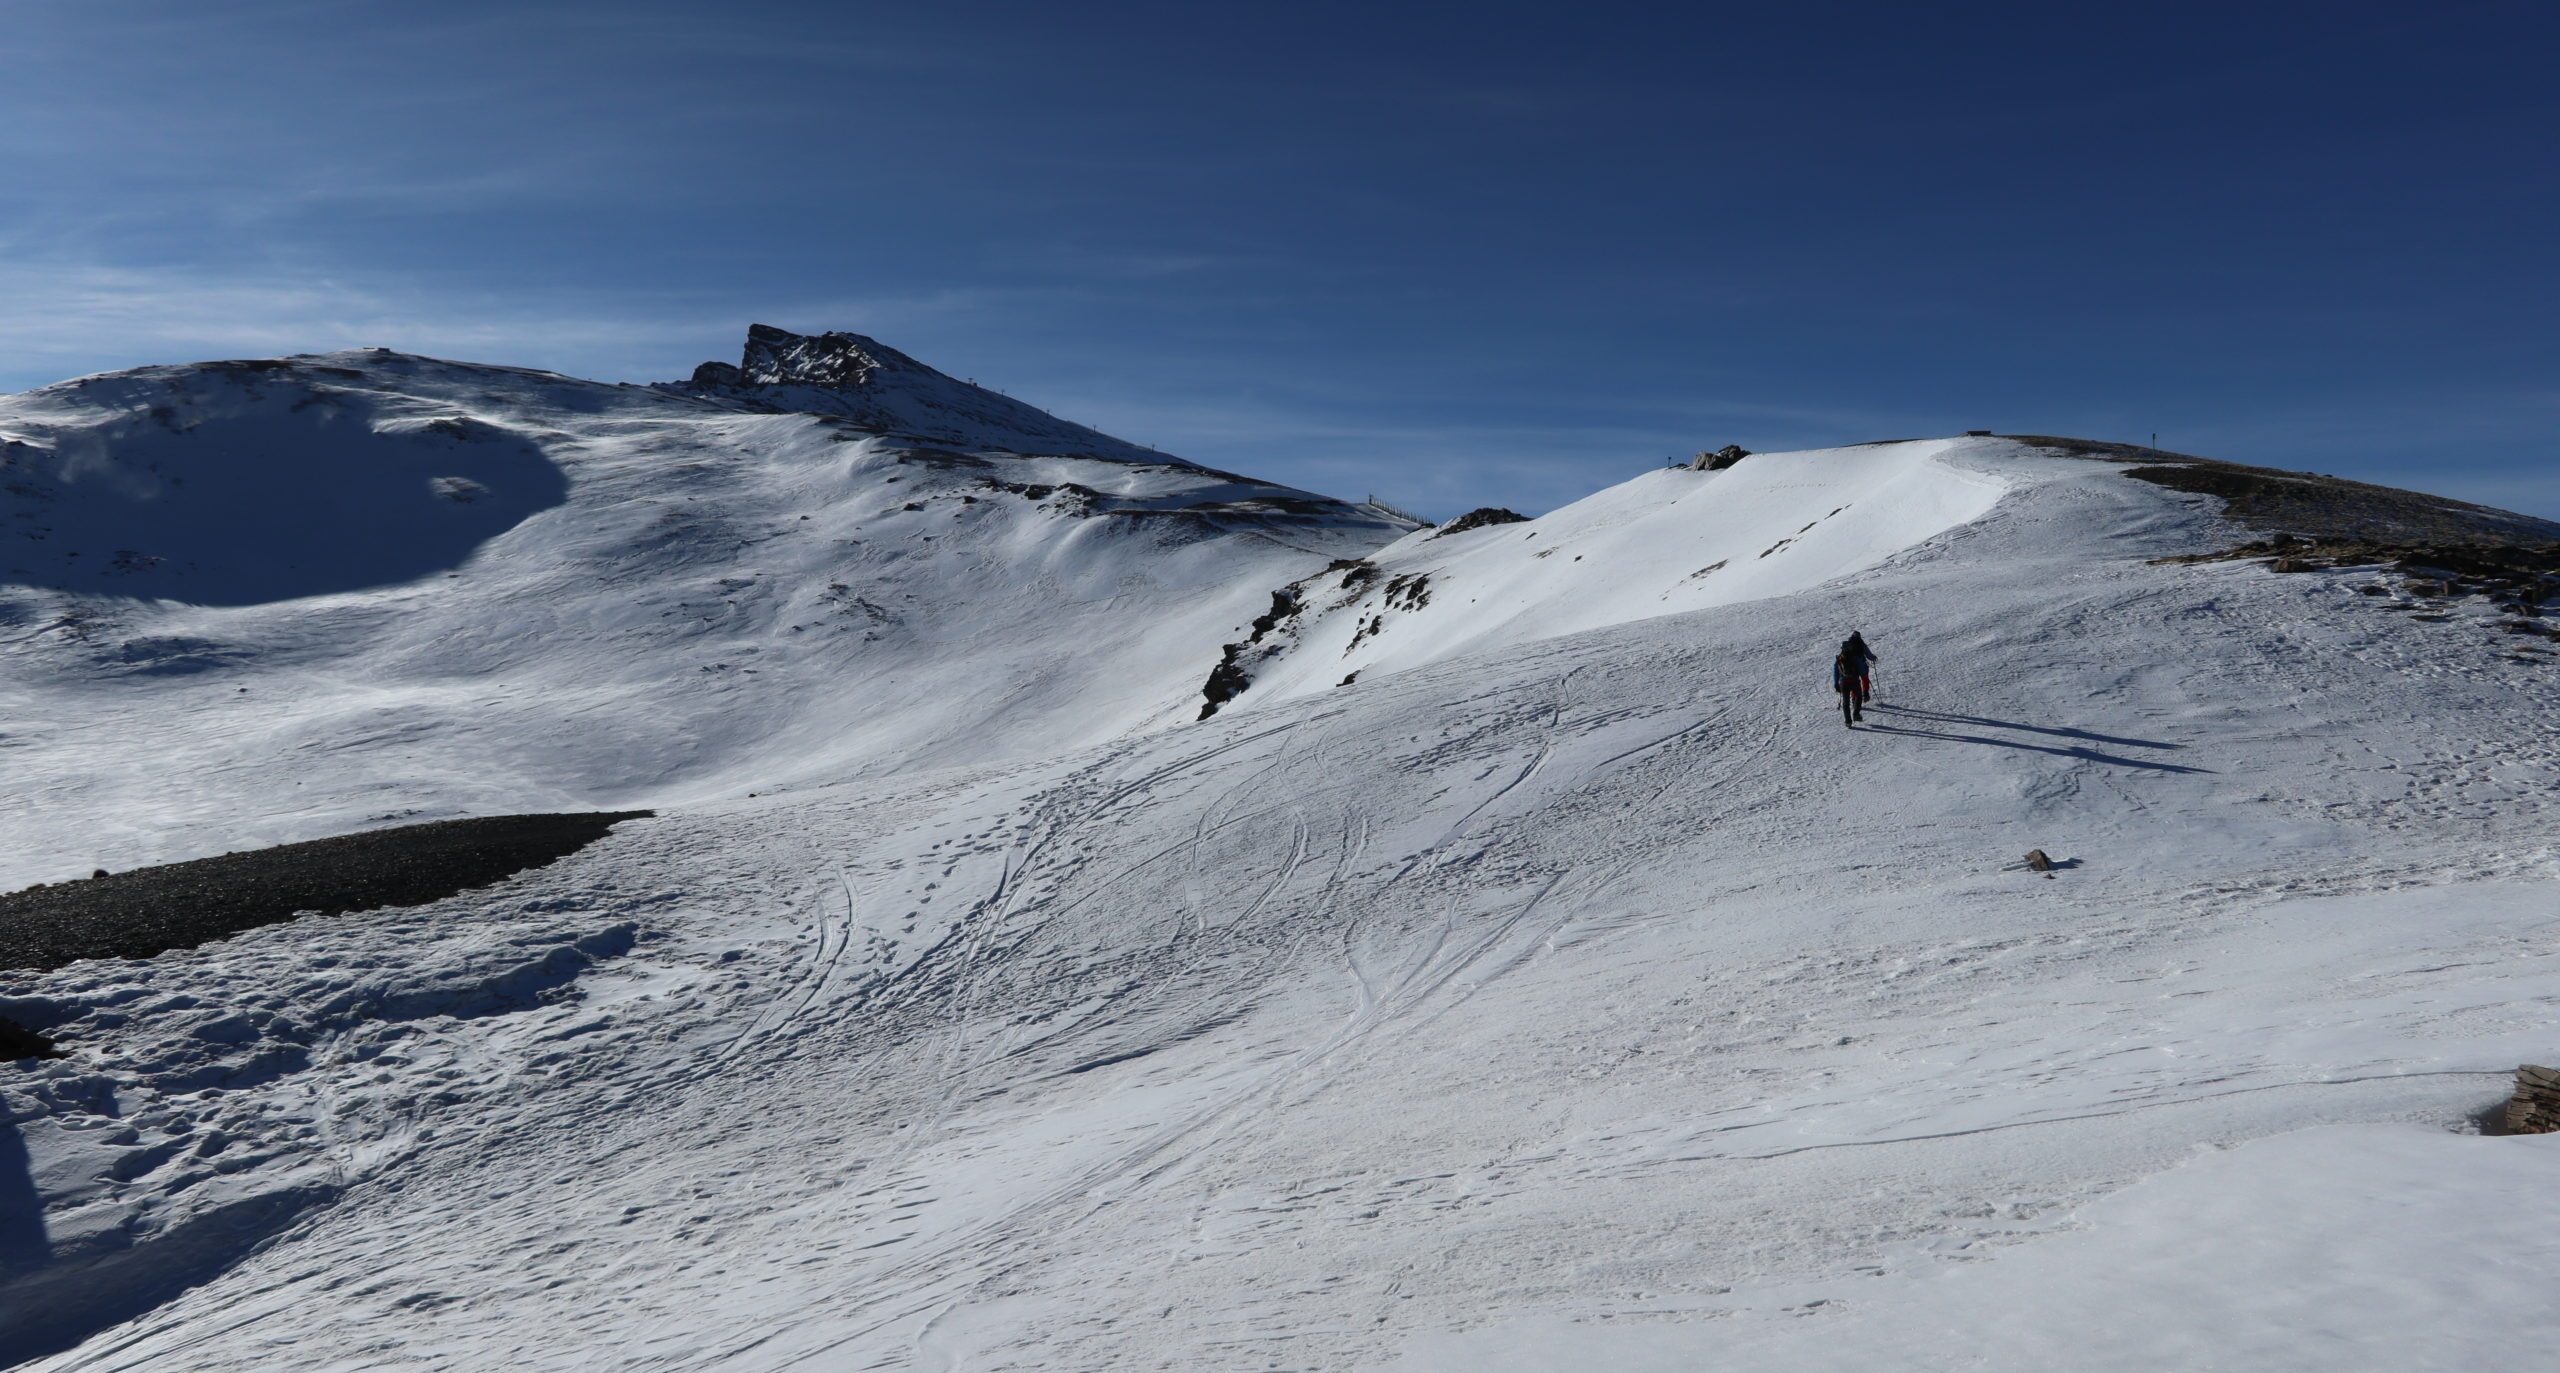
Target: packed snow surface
x: 1571, y: 990
x: 1668, y: 542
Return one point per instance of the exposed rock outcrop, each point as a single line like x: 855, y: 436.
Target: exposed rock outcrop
x: 1229, y: 678
x: 2535, y: 1108
x: 876, y: 387
x: 18, y: 1042
x: 1478, y: 518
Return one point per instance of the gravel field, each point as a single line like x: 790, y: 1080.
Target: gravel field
x: 177, y: 905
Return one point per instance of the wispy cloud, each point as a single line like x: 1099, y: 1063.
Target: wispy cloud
x: 63, y: 317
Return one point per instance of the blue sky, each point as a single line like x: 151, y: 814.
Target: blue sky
x: 1446, y: 254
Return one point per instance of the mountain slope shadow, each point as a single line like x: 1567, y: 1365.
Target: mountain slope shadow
x: 285, y: 493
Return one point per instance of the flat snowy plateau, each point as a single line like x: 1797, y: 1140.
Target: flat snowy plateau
x: 1568, y: 990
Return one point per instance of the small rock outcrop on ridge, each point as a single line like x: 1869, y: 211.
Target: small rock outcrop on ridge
x: 1478, y: 518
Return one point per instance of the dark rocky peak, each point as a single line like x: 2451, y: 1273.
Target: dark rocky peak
x: 830, y: 361
x: 876, y: 387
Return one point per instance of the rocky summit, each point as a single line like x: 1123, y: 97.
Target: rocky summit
x: 877, y: 387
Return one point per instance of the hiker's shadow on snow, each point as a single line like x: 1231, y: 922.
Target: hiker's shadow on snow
x: 1942, y: 717
x: 2051, y: 865
x: 2090, y: 755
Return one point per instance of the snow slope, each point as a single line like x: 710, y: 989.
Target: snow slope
x: 252, y: 602
x: 1671, y: 541
x: 1571, y: 990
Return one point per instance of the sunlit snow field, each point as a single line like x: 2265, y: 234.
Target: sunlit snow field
x: 1571, y: 990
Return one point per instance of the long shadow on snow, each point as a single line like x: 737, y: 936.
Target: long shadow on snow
x: 2092, y: 736
x: 2085, y: 754
x: 24, y: 1246
x: 55, y: 1300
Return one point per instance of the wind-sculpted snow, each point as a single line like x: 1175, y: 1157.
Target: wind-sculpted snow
x: 1568, y: 989
x: 245, y: 1089
x: 1598, y: 1001
x: 601, y: 597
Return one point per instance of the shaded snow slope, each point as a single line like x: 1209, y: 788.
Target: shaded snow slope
x: 245, y: 483
x: 249, y: 602
x: 1595, y: 1000
x: 1664, y: 543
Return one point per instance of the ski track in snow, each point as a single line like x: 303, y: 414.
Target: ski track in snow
x: 1591, y: 1000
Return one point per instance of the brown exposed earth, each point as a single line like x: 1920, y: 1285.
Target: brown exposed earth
x: 2309, y: 505
x: 2423, y: 551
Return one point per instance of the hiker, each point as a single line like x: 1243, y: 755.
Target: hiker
x: 1844, y: 679
x: 1863, y: 660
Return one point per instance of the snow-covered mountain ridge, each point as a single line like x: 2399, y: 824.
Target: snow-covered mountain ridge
x: 365, y: 586
x: 1780, y: 523
x: 1570, y: 989
x: 1662, y: 544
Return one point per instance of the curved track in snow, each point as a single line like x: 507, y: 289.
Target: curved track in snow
x: 1591, y: 998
